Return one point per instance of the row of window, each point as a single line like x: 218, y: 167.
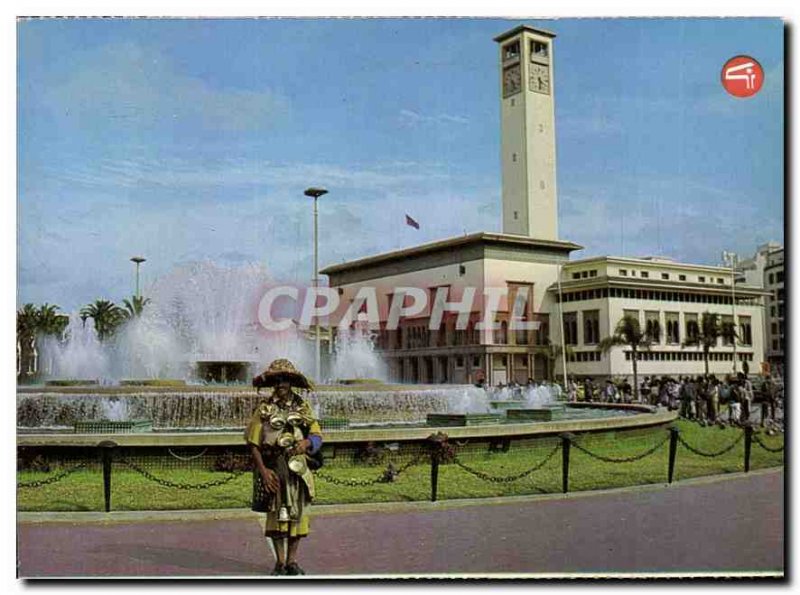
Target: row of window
x: 591, y: 327
x: 654, y: 295
x: 686, y: 356
x: 585, y: 356
x: 667, y: 276
x: 776, y: 277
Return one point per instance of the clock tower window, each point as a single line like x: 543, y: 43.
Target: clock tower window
x: 538, y: 50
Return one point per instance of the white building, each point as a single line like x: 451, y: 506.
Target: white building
x: 529, y: 256
x: 766, y: 269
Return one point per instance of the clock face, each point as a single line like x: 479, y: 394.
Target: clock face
x: 539, y: 79
x: 512, y: 80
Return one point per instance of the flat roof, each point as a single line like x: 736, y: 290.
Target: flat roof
x: 520, y: 28
x: 454, y: 242
x: 649, y: 261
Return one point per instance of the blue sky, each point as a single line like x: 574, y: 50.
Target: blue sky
x: 185, y: 140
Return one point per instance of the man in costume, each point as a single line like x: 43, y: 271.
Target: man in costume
x: 283, y: 436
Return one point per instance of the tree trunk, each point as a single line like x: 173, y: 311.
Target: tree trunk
x: 705, y: 359
x: 635, y: 357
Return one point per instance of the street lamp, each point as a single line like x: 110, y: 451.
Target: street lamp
x: 731, y: 259
x: 138, y: 260
x: 315, y: 193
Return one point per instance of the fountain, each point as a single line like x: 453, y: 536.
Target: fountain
x: 185, y: 363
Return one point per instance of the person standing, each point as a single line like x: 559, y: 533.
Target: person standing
x: 282, y: 434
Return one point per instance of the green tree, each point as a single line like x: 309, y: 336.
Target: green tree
x: 710, y: 330
x: 628, y: 333
x: 51, y: 322
x: 134, y: 306
x: 107, y: 317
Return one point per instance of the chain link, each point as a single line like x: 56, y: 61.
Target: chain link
x: 757, y: 440
x: 507, y: 478
x: 710, y: 455
x: 58, y: 477
x: 385, y: 477
x: 181, y: 486
x: 630, y: 459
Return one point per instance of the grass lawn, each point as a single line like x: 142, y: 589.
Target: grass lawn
x: 83, y: 490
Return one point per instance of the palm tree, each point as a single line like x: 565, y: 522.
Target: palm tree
x: 629, y: 333
x: 708, y: 333
x: 51, y: 322
x: 107, y: 317
x: 134, y: 306
x: 32, y: 323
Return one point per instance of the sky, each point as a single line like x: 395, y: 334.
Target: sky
x: 187, y: 140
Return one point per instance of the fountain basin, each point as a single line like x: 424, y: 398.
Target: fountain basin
x: 113, y: 427
x: 543, y: 414
x: 446, y: 420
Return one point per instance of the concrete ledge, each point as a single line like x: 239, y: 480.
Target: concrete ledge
x: 333, y: 437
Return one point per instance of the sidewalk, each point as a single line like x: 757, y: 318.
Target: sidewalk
x: 729, y: 523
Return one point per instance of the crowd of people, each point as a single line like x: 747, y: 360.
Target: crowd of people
x: 732, y: 400
x: 699, y: 398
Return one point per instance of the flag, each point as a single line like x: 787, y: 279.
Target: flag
x: 411, y: 222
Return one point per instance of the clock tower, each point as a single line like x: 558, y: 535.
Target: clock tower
x: 528, y: 139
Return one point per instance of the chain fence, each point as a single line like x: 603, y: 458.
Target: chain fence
x: 774, y: 449
x: 711, y: 455
x: 382, y: 471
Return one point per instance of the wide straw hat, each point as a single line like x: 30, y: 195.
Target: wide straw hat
x: 278, y: 370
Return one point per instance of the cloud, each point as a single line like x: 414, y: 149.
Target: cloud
x: 688, y: 220
x: 126, y: 86
x: 412, y: 118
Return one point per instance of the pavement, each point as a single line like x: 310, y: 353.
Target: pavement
x: 732, y: 525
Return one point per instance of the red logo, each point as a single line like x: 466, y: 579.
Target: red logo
x: 742, y: 76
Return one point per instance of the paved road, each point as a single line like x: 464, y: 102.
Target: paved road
x: 730, y: 524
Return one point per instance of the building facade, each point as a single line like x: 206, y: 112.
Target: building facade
x: 668, y: 299
x: 766, y: 269
x: 587, y: 297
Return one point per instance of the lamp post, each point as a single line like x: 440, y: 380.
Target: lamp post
x: 731, y: 259
x: 138, y: 260
x: 561, y: 324
x: 315, y: 193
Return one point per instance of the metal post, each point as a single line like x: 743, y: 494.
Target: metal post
x: 315, y: 193
x: 730, y: 258
x: 107, y: 450
x: 566, y: 441
x: 434, y: 473
x: 673, y: 450
x: 561, y: 323
x: 748, y: 443
x: 316, y: 284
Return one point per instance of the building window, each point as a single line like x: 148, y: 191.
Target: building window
x: 591, y: 327
x: 584, y: 274
x: 772, y: 311
x: 511, y: 51
x: 745, y: 330
x: 692, y: 327
x: 771, y: 278
x: 673, y: 327
x: 644, y: 274
x: 701, y: 279
x: 665, y: 276
x: 720, y: 281
x: 576, y: 275
x: 681, y: 277
x: 593, y: 273
x: 779, y: 276
x: 727, y: 327
x: 538, y: 49
x: 571, y: 328
x: 623, y: 273
x: 653, y: 326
